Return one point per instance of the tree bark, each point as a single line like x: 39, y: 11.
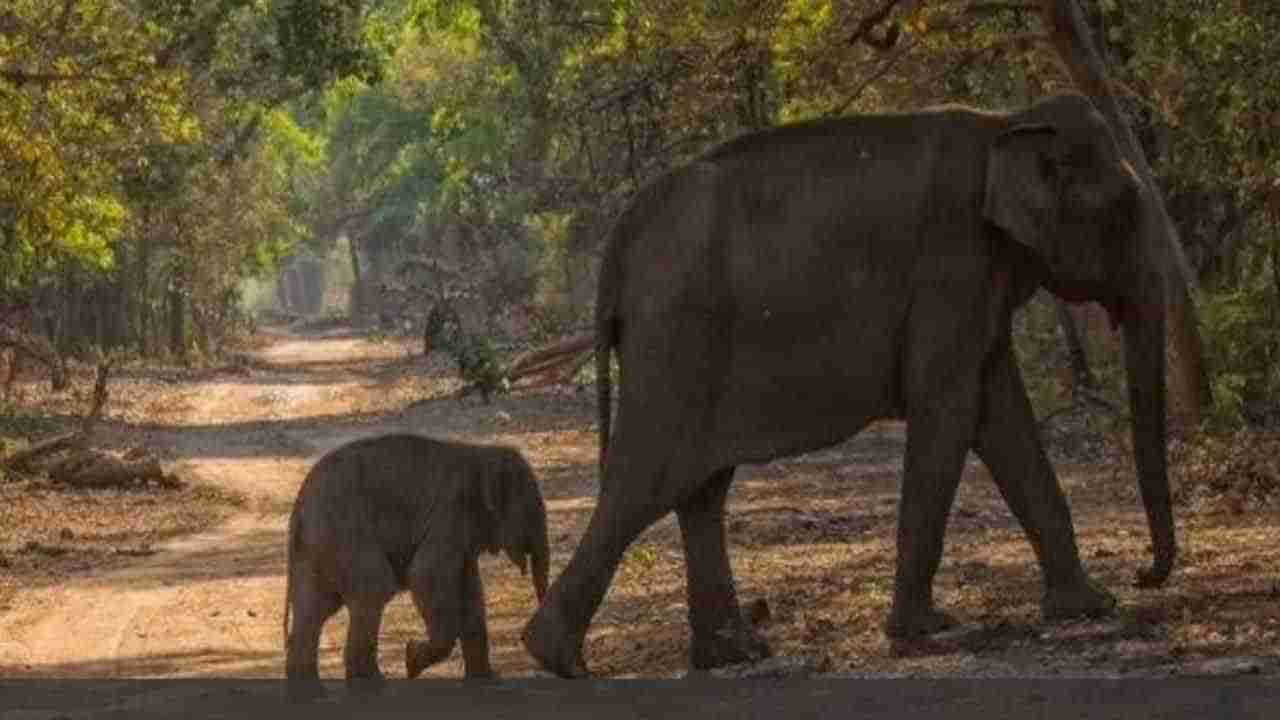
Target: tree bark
x: 1082, y: 377
x: 177, y: 317
x: 357, y: 300
x: 142, y: 279
x: 1188, y: 381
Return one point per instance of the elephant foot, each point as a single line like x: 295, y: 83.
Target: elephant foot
x: 736, y: 642
x: 306, y: 690
x: 419, y: 656
x: 366, y: 684
x: 1080, y: 600
x: 547, y: 642
x: 481, y: 675
x: 908, y: 626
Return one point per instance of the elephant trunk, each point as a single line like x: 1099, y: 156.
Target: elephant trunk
x: 1144, y: 341
x: 531, y: 553
x: 540, y: 561
x: 541, y: 569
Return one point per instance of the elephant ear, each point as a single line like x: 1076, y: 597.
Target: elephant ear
x: 1022, y: 188
x: 489, y: 490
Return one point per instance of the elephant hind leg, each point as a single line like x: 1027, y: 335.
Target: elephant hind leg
x: 720, y: 635
x: 1010, y: 448
x: 639, y: 486
x: 474, y: 635
x: 313, y: 604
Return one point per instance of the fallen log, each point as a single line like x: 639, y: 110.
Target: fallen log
x: 22, y: 460
x: 557, y: 371
x: 526, y: 362
x: 551, y: 365
x: 91, y: 469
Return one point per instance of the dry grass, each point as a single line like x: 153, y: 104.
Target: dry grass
x: 52, y: 532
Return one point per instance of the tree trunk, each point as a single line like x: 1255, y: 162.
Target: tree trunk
x: 311, y: 274
x: 99, y: 310
x: 1188, y: 379
x: 118, y: 335
x: 356, y: 301
x: 754, y: 105
x: 177, y: 317
x: 146, y: 331
x: 1082, y: 377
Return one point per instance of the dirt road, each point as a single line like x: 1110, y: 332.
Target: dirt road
x: 811, y: 535
x: 206, y: 605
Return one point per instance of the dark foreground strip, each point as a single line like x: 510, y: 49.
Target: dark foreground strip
x: 954, y: 699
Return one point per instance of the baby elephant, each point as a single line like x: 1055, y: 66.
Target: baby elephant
x: 396, y: 511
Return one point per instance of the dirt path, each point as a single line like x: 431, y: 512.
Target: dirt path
x: 811, y: 535
x: 209, y: 604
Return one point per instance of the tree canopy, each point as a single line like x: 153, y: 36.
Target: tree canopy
x: 155, y: 154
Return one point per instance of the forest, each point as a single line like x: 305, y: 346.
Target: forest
x: 179, y: 176
x: 174, y: 171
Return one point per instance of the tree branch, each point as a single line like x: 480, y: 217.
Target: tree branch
x: 995, y: 7
x: 880, y: 72
x: 870, y: 21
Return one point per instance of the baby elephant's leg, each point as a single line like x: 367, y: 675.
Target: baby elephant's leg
x: 436, y: 580
x: 475, y: 633
x: 314, y: 602
x: 372, y: 586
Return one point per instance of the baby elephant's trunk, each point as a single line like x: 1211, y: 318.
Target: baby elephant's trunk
x: 532, y: 553
x: 540, y: 563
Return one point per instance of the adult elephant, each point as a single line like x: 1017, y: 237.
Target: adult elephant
x: 791, y: 286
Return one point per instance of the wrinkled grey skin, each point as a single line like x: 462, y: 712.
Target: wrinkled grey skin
x: 397, y: 511
x: 790, y: 287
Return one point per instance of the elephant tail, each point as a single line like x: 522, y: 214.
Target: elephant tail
x: 605, y: 328
x: 607, y: 335
x: 295, y: 520
x: 603, y: 386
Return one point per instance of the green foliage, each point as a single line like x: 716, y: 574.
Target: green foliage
x: 476, y: 356
x: 1213, y: 71
x: 1241, y: 329
x: 321, y: 40
x: 478, y: 364
x: 80, y: 92
x: 1038, y: 348
x: 191, y: 144
x: 144, y: 142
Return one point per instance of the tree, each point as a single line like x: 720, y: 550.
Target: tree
x: 80, y: 93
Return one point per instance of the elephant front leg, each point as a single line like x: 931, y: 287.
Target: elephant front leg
x: 361, y: 652
x: 371, y: 587
x: 939, y: 432
x: 720, y: 635
x: 436, y: 581
x: 1009, y: 445
x: 475, y: 631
